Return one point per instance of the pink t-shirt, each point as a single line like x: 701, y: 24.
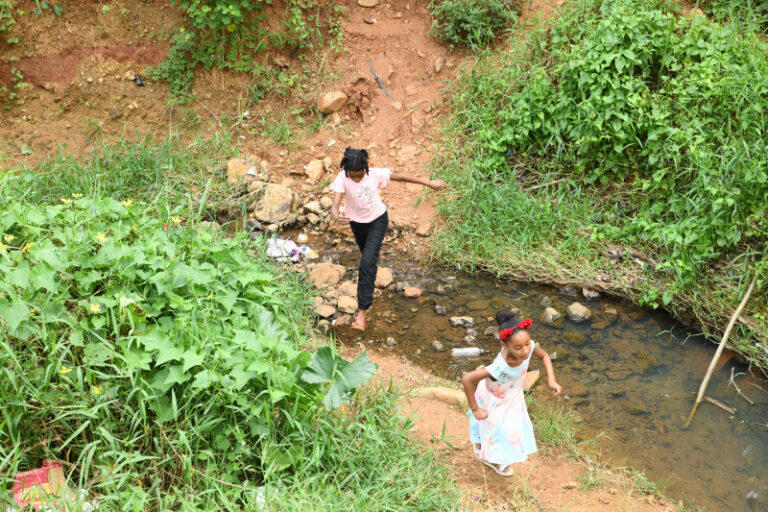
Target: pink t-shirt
x: 361, y: 200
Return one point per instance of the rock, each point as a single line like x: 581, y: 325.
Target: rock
x: 611, y: 311
x: 570, y: 485
x: 408, y: 154
x: 275, y: 205
x: 411, y: 90
x: 331, y: 102
x: 348, y: 288
x: 590, y: 294
x: 477, y: 305
x: 342, y: 321
x: 326, y: 202
x: 314, y: 171
x: 347, y: 304
x: 578, y: 312
x: 335, y: 119
x: 601, y: 320
x: 451, y: 396
x: 440, y: 310
x: 324, y: 275
x: 438, y: 345
x: 550, y: 315
x: 530, y: 379
x: 115, y: 113
x: 314, y: 207
x: 325, y: 310
x: 470, y: 339
x: 491, y: 331
x: 424, y: 229
x: 412, y: 292
x: 545, y: 302
x: 129, y: 75
x: 367, y: 3
x: 636, y: 409
x: 237, y: 169
x: 313, y: 218
x: 391, y: 341
x: 569, y: 290
x: 383, y: 277
x: 439, y: 64
x: 397, y: 105
x: 462, y: 321
x: 575, y: 338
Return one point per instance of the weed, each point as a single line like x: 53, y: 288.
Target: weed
x: 590, y: 479
x: 555, y: 426
x: 472, y: 23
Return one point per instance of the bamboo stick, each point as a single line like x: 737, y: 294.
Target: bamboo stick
x: 718, y: 403
x: 705, y: 382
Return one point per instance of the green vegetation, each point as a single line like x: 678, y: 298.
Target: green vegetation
x: 555, y: 426
x: 232, y: 34
x: 163, y: 361
x: 750, y: 14
x: 473, y: 23
x: 633, y: 127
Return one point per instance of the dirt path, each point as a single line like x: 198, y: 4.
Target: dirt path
x: 547, y: 481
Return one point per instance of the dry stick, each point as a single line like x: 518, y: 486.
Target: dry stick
x: 718, y: 403
x: 545, y: 184
x: 719, y: 351
x: 738, y: 390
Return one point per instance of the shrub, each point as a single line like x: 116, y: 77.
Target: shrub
x: 472, y: 23
x: 151, y: 355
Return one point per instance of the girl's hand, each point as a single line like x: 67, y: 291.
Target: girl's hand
x: 480, y: 414
x: 437, y: 184
x: 555, y: 387
x: 339, y: 216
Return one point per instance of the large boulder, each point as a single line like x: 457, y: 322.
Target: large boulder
x: 578, y: 312
x: 331, y: 102
x: 275, y: 205
x: 384, y: 277
x: 348, y: 288
x: 325, y: 275
x: 347, y: 304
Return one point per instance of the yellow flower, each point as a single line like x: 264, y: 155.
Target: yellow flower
x: 76, y: 195
x: 2, y: 247
x: 96, y: 390
x: 64, y: 370
x: 9, y: 238
x: 27, y: 246
x: 176, y: 220
x: 95, y: 308
x: 65, y: 201
x: 101, y: 237
x: 32, y: 310
x: 127, y: 202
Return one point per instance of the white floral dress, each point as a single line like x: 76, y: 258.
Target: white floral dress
x: 506, y: 436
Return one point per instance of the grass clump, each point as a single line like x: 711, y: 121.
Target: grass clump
x: 629, y: 122
x: 555, y: 426
x: 472, y: 23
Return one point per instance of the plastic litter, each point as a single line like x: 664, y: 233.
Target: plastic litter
x: 46, y: 489
x: 139, y: 82
x: 287, y: 250
x: 467, y: 351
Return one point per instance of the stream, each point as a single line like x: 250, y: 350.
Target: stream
x: 631, y: 374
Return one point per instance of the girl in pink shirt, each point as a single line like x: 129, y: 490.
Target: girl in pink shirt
x: 367, y: 216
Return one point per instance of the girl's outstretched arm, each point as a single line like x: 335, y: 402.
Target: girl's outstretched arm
x: 469, y: 381
x: 433, y: 184
x: 547, y: 362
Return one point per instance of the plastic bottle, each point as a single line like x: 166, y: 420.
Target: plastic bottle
x: 467, y: 351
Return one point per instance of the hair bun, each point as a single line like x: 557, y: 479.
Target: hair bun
x: 504, y: 316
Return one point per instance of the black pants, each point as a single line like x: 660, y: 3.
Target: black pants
x: 369, y: 237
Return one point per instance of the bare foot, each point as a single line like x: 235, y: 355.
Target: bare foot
x: 359, y: 323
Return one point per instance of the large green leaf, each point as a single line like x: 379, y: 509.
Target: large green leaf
x: 325, y: 366
x: 13, y: 312
x: 320, y: 368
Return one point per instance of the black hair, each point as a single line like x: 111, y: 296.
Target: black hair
x: 507, y: 319
x: 355, y: 160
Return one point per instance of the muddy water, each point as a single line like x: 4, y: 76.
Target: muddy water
x: 630, y: 376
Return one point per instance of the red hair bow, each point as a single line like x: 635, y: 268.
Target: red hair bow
x: 506, y: 333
